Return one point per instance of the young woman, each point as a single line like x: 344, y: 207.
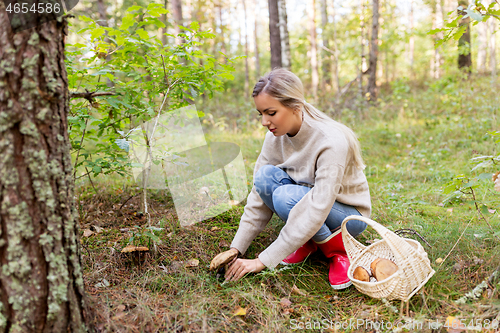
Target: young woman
x: 309, y: 173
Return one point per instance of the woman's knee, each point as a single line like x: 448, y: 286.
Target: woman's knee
x: 283, y: 200
x: 355, y: 227
x: 263, y: 175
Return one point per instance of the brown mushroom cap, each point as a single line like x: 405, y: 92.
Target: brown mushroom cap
x: 361, y: 274
x: 384, y: 268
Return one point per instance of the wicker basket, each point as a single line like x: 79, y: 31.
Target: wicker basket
x: 414, y: 268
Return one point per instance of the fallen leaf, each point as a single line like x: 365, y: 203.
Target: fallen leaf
x: 285, y: 302
x: 87, y: 233
x: 192, y: 263
x: 240, y: 311
x: 119, y: 315
x: 97, y: 229
x: 287, y: 311
x: 439, y: 260
x: 223, y: 243
x: 296, y: 290
x: 215, y: 229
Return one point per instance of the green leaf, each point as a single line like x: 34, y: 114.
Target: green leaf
x: 226, y: 76
x: 127, y: 22
x: 134, y: 8
x: 484, y: 210
x: 97, y: 32
x: 459, y: 32
x: 142, y: 33
x: 485, y: 176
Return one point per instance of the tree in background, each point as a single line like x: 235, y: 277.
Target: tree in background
x: 372, y: 69
x: 274, y: 34
x: 313, y: 51
x: 41, y: 283
x: 286, y: 60
x: 464, y: 47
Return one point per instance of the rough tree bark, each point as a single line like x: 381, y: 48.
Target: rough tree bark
x: 286, y: 56
x: 464, y: 47
x: 372, y: 79
x: 41, y: 284
x: 274, y: 34
x: 311, y: 13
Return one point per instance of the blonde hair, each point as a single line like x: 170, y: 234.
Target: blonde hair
x: 287, y: 88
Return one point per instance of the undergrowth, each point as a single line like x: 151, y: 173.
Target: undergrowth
x: 414, y: 142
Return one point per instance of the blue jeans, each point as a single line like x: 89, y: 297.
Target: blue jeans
x: 281, y: 193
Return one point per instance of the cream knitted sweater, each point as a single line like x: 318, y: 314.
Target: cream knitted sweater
x: 316, y: 155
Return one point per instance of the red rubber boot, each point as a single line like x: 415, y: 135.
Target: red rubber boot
x: 333, y: 248
x: 301, y: 254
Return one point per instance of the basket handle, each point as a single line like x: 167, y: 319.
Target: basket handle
x: 351, y: 245
x: 384, y: 233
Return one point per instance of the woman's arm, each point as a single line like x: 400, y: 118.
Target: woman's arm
x: 256, y: 214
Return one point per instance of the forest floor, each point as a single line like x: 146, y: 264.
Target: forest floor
x: 415, y: 141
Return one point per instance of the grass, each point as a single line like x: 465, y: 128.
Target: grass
x: 413, y: 142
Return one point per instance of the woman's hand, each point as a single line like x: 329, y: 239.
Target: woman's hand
x: 239, y: 267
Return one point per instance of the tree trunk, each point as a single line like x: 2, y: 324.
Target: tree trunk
x: 222, y: 34
x: 411, y: 46
x: 325, y: 59
x: 101, y: 9
x: 372, y: 80
x: 311, y: 13
x: 437, y: 23
x: 247, y: 79
x: 164, y: 30
x: 256, y: 39
x: 362, y: 55
x: 41, y: 283
x: 179, y: 21
x: 274, y: 34
x: 493, y: 59
x: 482, y: 49
x: 286, y: 56
x: 464, y: 47
x: 336, y: 50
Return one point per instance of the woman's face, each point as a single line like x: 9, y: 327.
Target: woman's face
x: 278, y: 118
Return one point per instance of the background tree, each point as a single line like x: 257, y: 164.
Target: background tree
x: 313, y: 51
x: 285, y: 39
x: 464, y: 47
x: 274, y: 34
x: 372, y: 80
x: 41, y: 284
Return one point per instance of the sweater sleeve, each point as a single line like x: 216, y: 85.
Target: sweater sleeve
x: 256, y: 214
x: 309, y: 214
